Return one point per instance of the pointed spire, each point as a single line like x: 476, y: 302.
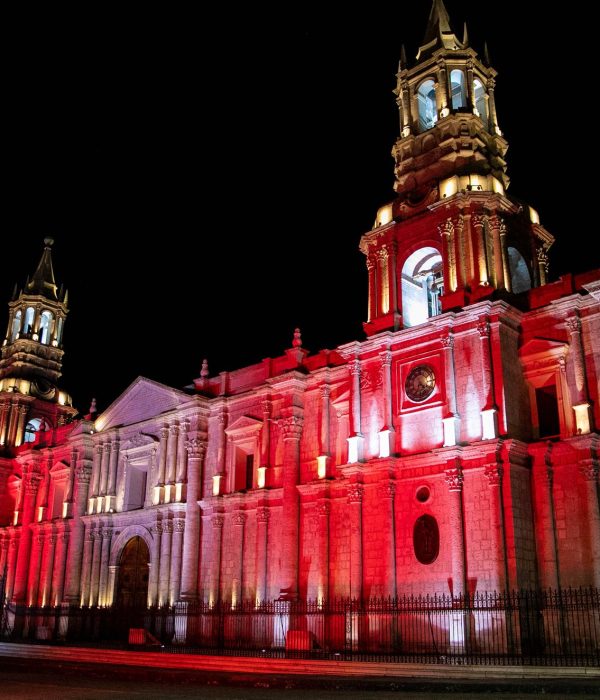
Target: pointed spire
x: 43, y: 278
x: 438, y: 22
x: 486, y: 54
x: 403, y: 61
x: 15, y: 293
x: 465, y: 40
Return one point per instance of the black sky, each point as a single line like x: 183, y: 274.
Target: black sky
x: 175, y: 175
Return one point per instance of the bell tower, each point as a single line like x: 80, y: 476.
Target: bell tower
x: 31, y: 359
x: 452, y: 236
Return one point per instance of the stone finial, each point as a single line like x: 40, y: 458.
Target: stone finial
x: 297, y: 342
x: 93, y: 408
x: 204, y: 370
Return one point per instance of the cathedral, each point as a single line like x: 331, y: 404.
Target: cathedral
x: 451, y: 451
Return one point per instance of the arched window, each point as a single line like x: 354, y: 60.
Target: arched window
x: 427, y: 105
x: 35, y: 425
x: 480, y: 101
x: 29, y: 316
x: 46, y: 323
x: 422, y: 286
x: 519, y: 272
x: 16, y: 325
x: 457, y: 84
x: 59, y: 330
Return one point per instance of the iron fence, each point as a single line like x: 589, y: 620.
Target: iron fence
x: 545, y: 627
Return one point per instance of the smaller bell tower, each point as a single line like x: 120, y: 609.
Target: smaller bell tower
x: 31, y: 359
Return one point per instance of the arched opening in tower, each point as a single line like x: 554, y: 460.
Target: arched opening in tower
x: 519, y: 272
x: 422, y: 286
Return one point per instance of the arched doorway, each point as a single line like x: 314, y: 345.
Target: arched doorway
x: 132, y: 586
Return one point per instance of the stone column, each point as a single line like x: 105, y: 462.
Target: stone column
x: 387, y: 495
x: 11, y: 559
x: 489, y: 410
x: 543, y: 265
x: 579, y: 391
x: 548, y: 555
x: 3, y: 557
x: 96, y: 560
x: 589, y: 471
x: 162, y: 458
x: 262, y: 536
x: 454, y: 480
x: 23, y: 410
x: 76, y: 546
x: 114, y: 460
x: 460, y: 252
x: 196, y: 450
x: 104, y: 558
x: 35, y: 563
x: 494, y: 222
x: 86, y: 569
x: 355, y: 497
x: 30, y: 484
x: 494, y: 473
x: 237, y: 589
x: 386, y: 434
x: 176, y: 553
x: 265, y: 437
x: 4, y: 413
x: 448, y: 255
x: 154, y: 568
x: 482, y: 273
x: 384, y: 282
x: 215, y: 584
x: 371, y: 268
x: 172, y: 454
x: 469, y: 249
x: 95, y: 489
x: 49, y: 556
x: 505, y: 261
x: 292, y: 431
x: 459, y: 628
x: 181, y: 475
x: 491, y: 85
x: 58, y: 577
x: 392, y: 272
x: 323, y: 509
x: 355, y: 441
x: 165, y: 562
x: 104, y: 469
x: 324, y: 432
x: 443, y: 98
x: 451, y: 421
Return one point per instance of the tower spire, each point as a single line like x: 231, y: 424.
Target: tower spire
x: 438, y: 34
x: 43, y: 282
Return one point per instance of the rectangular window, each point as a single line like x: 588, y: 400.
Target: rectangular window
x: 250, y: 471
x: 136, y: 488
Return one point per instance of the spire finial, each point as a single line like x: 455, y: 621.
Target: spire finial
x: 465, y: 40
x: 48, y: 242
x: 297, y: 342
x: 486, y: 54
x: 204, y: 371
x: 42, y: 282
x: 93, y: 408
x: 402, y: 57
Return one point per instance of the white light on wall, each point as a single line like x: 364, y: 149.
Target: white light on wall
x: 322, y: 466
x: 489, y: 424
x: 384, y: 443
x: 216, y: 490
x: 261, y: 477
x: 354, y: 445
x: 582, y: 418
x: 40, y: 514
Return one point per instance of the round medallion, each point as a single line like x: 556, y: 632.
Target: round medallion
x: 420, y: 383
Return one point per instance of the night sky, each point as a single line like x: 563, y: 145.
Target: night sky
x: 174, y: 176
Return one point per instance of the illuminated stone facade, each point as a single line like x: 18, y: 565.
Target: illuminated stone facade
x: 453, y: 450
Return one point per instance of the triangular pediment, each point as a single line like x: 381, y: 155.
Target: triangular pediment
x: 244, y: 424
x: 59, y: 466
x: 543, y: 346
x: 142, y: 400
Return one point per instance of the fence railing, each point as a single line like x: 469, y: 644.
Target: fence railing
x: 547, y: 627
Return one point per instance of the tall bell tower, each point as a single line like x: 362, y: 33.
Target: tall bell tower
x: 31, y: 359
x: 452, y: 236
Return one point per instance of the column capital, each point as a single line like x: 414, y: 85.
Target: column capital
x: 239, y: 518
x: 454, y: 479
x: 218, y: 521
x: 195, y: 448
x: 83, y: 474
x: 167, y: 527
x: 446, y: 228
x: 386, y: 358
x: 164, y: 432
x: 483, y: 328
x: 355, y: 367
x: 573, y: 324
x: 178, y: 525
x: 447, y: 341
x: 494, y: 473
x: 291, y: 427
x: 262, y: 515
x: 325, y: 390
x: 387, y: 490
x: 32, y: 482
x: 355, y: 493
x: 478, y: 220
x: 323, y: 509
x: 174, y: 429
